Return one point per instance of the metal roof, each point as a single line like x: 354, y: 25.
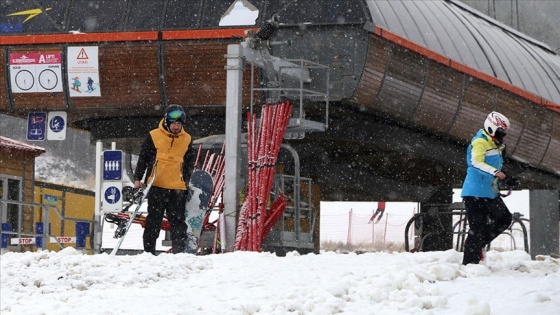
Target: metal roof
x: 465, y: 35
x: 11, y: 145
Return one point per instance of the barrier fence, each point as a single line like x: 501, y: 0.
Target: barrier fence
x: 14, y: 237
x: 388, y: 232
x: 354, y: 228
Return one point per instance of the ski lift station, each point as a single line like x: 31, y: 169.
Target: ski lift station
x: 386, y: 95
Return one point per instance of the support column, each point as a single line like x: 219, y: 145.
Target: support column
x: 97, y: 233
x: 544, y: 216
x: 234, y: 88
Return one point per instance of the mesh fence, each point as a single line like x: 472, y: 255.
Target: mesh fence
x: 388, y: 231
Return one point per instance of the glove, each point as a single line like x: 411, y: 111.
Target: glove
x: 506, y: 184
x: 511, y: 181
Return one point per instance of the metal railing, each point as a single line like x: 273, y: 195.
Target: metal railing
x: 45, y: 234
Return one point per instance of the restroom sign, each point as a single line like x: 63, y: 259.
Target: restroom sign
x: 112, y: 165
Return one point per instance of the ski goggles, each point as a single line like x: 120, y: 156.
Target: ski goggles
x: 176, y: 115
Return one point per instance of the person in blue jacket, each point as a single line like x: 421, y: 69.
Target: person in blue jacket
x: 487, y: 214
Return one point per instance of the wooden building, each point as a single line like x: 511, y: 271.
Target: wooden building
x: 17, y: 181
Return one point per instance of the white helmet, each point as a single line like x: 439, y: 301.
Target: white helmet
x: 496, y: 122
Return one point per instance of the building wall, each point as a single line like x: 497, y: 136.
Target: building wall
x: 71, y: 203
x: 21, y: 165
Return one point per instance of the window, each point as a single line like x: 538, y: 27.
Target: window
x: 10, y: 189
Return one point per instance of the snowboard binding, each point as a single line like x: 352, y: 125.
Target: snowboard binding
x: 132, y: 196
x: 120, y: 219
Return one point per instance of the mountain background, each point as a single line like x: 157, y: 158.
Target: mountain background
x: 72, y: 162
x: 69, y: 162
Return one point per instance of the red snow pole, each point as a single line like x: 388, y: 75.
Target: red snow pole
x: 197, y: 157
x: 263, y: 146
x: 276, y: 211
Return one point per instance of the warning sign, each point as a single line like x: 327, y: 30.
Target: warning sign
x: 83, y: 71
x: 82, y: 54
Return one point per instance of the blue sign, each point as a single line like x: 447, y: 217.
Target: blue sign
x: 51, y: 199
x: 36, y: 126
x: 57, y: 124
x: 112, y: 195
x: 112, y: 165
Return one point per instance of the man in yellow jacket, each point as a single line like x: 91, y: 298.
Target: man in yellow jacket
x: 166, y: 154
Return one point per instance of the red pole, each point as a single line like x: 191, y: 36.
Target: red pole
x: 263, y: 146
x: 205, y: 159
x: 385, y: 232
x: 372, y: 229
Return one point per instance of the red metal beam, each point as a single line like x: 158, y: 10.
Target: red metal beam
x: 205, y: 34
x: 35, y: 39
x: 76, y: 38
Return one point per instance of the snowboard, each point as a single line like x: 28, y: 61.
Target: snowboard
x: 198, y: 198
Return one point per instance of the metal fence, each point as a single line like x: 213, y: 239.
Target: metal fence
x: 16, y: 238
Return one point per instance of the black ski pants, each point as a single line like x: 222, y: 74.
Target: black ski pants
x: 487, y: 219
x: 171, y: 202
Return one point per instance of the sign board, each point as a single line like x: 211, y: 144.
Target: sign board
x: 22, y: 241
x: 112, y: 165
x: 56, y: 126
x: 111, y: 196
x: 83, y: 71
x: 36, y: 72
x: 63, y: 239
x: 31, y: 240
x: 50, y: 199
x: 36, y: 126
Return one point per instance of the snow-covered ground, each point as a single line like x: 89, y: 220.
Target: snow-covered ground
x: 70, y: 282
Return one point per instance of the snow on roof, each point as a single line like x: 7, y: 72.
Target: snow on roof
x: 8, y: 145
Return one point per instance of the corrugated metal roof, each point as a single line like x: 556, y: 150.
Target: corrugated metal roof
x: 9, y: 145
x: 467, y: 36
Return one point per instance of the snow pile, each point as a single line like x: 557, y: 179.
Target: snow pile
x: 69, y: 282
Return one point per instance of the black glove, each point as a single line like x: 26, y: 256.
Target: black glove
x: 506, y: 184
x: 511, y: 181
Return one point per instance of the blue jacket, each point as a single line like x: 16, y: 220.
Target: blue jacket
x: 484, y: 160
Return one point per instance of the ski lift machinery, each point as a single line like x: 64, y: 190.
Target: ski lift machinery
x: 291, y: 78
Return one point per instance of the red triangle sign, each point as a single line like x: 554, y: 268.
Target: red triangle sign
x: 82, y: 54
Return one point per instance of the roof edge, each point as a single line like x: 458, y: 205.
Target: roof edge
x: 11, y: 145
